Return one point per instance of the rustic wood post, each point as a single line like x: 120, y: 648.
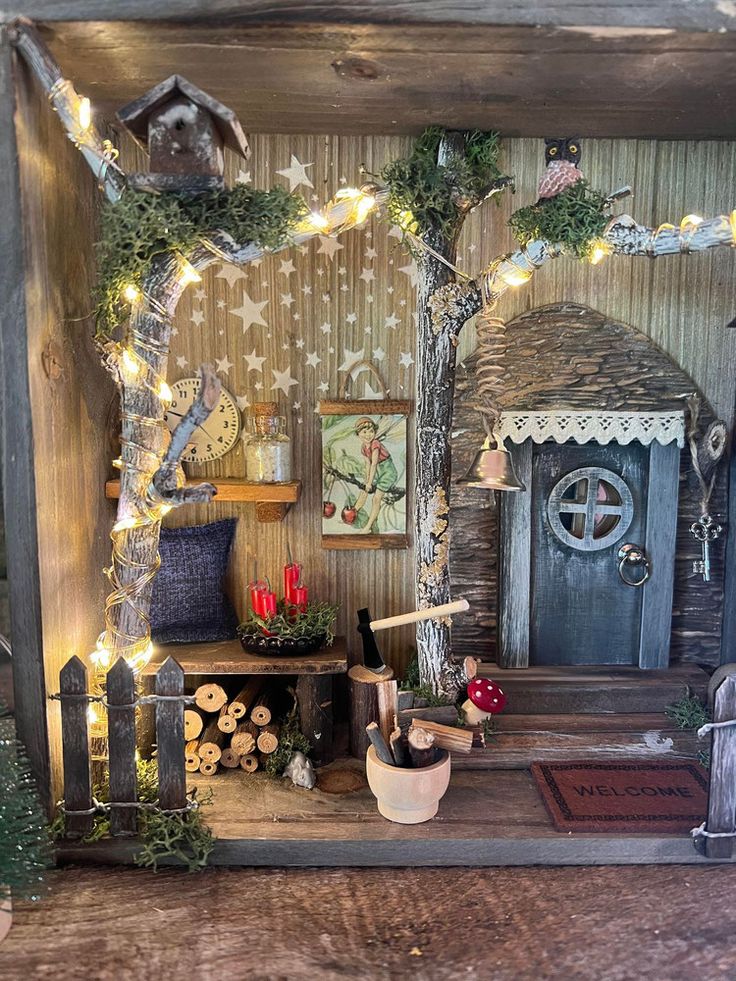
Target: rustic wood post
x: 722, y: 791
x: 121, y: 736
x: 75, y: 746
x: 172, y: 785
x: 314, y: 698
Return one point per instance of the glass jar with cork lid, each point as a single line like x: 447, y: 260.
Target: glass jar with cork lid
x: 267, y: 447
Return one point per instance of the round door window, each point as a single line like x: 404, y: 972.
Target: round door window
x: 590, y: 508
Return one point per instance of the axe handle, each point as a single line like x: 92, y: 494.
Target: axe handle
x: 431, y: 613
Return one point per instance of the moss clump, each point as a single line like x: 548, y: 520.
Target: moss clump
x: 141, y: 226
x: 291, y: 740
x: 422, y: 192
x: 688, y: 713
x: 314, y: 622
x: 574, y: 219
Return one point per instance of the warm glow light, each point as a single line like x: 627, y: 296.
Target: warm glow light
x: 188, y: 273
x: 91, y: 714
x: 733, y: 225
x: 165, y: 508
x: 348, y: 192
x: 131, y: 293
x: 164, y: 392
x: 130, y: 363
x: 85, y: 113
x: 514, y: 276
x: 599, y: 252
x: 124, y: 524
x: 318, y: 221
x: 363, y: 207
x: 691, y: 220
x: 407, y: 222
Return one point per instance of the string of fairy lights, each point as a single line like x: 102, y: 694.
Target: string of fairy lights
x: 349, y: 208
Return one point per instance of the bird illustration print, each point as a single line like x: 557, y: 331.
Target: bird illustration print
x: 562, y: 158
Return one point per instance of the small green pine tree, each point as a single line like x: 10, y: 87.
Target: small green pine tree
x: 25, y: 849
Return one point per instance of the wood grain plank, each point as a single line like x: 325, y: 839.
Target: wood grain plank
x: 76, y: 750
x: 121, y: 737
x: 314, y: 697
x: 515, y: 545
x: 661, y: 544
x: 172, y: 787
x: 235, y: 491
x: 722, y: 788
x: 228, y: 657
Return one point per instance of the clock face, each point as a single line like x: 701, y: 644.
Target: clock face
x: 217, y: 435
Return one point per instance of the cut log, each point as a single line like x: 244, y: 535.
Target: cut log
x: 399, y: 748
x: 379, y: 743
x: 451, y: 738
x: 210, y: 698
x: 208, y: 768
x: 244, y: 738
x: 405, y: 700
x: 225, y: 722
x: 211, y: 743
x: 314, y: 698
x: 193, y: 723
x: 268, y: 739
x: 264, y: 707
x: 444, y: 714
x: 246, y: 697
x: 387, y: 707
x: 249, y: 762
x: 191, y: 756
x: 421, y: 747
x: 363, y: 705
x: 230, y: 758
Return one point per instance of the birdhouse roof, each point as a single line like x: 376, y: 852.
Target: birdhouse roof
x: 136, y: 114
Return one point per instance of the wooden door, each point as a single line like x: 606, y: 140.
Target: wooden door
x: 563, y: 596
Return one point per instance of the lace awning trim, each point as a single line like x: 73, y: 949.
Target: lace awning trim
x: 584, y: 426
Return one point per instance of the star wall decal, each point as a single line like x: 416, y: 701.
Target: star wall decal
x: 367, y: 275
x: 283, y: 381
x: 391, y: 322
x: 299, y: 343
x: 379, y: 354
x: 410, y: 270
x: 287, y: 267
x: 328, y: 246
x: 181, y: 361
x: 296, y: 174
x: 197, y: 317
x: 326, y: 327
x: 312, y: 360
x: 323, y: 387
x: 250, y: 312
x: 244, y: 177
x: 351, y: 318
x: 223, y: 365
x: 370, y: 253
x: 231, y: 274
x: 286, y: 299
x: 349, y: 359
x: 406, y: 360
x: 253, y: 361
x: 243, y: 404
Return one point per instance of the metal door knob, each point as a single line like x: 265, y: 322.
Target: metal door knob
x: 631, y: 555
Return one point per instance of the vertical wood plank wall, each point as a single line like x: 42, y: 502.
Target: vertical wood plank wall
x: 70, y: 412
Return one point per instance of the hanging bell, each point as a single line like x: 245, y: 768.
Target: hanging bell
x: 492, y: 469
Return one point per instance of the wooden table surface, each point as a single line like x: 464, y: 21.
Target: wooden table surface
x: 228, y: 657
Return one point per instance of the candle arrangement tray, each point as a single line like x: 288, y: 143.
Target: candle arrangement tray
x: 274, y: 646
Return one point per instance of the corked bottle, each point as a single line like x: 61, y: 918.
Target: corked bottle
x: 267, y: 448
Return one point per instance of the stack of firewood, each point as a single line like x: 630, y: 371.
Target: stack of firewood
x: 230, y: 733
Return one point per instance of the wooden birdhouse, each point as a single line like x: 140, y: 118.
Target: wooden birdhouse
x: 184, y: 131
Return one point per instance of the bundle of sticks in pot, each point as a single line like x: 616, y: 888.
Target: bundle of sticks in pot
x: 418, y: 742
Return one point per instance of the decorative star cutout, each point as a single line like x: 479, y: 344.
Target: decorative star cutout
x: 351, y: 318
x: 299, y: 343
x: 328, y: 246
x: 411, y: 272
x: 223, y: 365
x: 258, y: 386
x: 342, y: 271
x: 323, y: 387
x: 392, y: 322
x: 286, y: 299
x: 199, y: 293
x: 370, y: 253
x: 221, y: 304
x: 242, y: 401
x: 250, y: 312
x: 312, y: 360
x: 367, y: 275
x: 197, y: 317
x: 181, y: 361
x: 349, y: 359
x: 296, y: 174
x: 296, y: 406
x: 287, y: 267
x: 307, y: 289
x: 326, y: 297
x: 326, y: 327
x: 243, y: 177
x: 231, y: 274
x: 406, y: 360
x: 369, y: 299
x: 283, y: 381
x: 379, y: 354
x: 253, y: 361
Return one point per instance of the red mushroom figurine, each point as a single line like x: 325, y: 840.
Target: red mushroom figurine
x: 485, y: 698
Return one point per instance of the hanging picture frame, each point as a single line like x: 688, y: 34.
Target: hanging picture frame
x: 364, y: 469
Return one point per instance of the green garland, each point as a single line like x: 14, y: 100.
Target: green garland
x: 576, y: 218
x: 316, y: 621
x: 141, y: 226
x: 422, y: 192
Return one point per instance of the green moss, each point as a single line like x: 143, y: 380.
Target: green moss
x: 317, y: 620
x: 688, y: 713
x: 421, y: 187
x: 573, y: 219
x: 141, y: 226
x: 291, y: 740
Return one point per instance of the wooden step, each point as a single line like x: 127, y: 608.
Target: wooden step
x: 595, y: 690
x: 519, y: 740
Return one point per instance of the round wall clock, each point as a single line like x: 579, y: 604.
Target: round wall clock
x: 217, y: 436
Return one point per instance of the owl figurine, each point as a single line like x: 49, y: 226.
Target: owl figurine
x: 562, y: 158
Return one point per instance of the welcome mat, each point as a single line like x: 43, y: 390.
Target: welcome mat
x: 623, y: 796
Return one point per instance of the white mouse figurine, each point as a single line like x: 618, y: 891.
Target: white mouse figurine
x: 301, y: 771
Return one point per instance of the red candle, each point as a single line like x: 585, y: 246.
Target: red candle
x: 292, y: 574
x: 268, y: 600
x: 256, y: 589
x: 299, y: 597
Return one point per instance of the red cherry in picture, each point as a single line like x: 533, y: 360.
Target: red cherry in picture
x: 328, y: 509
x: 349, y: 515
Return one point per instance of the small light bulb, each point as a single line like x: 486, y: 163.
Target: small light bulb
x: 164, y: 509
x: 318, y: 221
x: 407, y: 222
x: 164, y: 392
x: 691, y: 220
x: 599, y: 252
x: 130, y: 362
x: 188, y: 273
x: 514, y: 276
x: 131, y: 293
x: 363, y: 207
x: 85, y: 113
x: 91, y: 714
x: 124, y: 524
x: 348, y: 192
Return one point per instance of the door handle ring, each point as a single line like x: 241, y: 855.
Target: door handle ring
x: 633, y: 555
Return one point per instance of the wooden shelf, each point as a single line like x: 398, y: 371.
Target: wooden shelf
x: 228, y: 657
x: 272, y: 501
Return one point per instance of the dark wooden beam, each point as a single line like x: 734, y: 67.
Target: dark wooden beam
x: 19, y: 482
x: 311, y: 76
x: 614, y: 15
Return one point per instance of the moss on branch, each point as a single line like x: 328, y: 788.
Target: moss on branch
x: 575, y: 219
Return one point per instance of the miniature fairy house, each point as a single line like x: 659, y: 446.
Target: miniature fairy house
x: 185, y: 131
x: 588, y: 563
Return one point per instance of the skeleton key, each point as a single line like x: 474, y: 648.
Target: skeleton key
x: 706, y: 531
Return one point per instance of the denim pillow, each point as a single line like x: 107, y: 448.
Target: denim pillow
x: 188, y: 604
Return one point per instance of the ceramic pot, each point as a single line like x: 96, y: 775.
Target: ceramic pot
x: 407, y: 796
x: 6, y: 917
